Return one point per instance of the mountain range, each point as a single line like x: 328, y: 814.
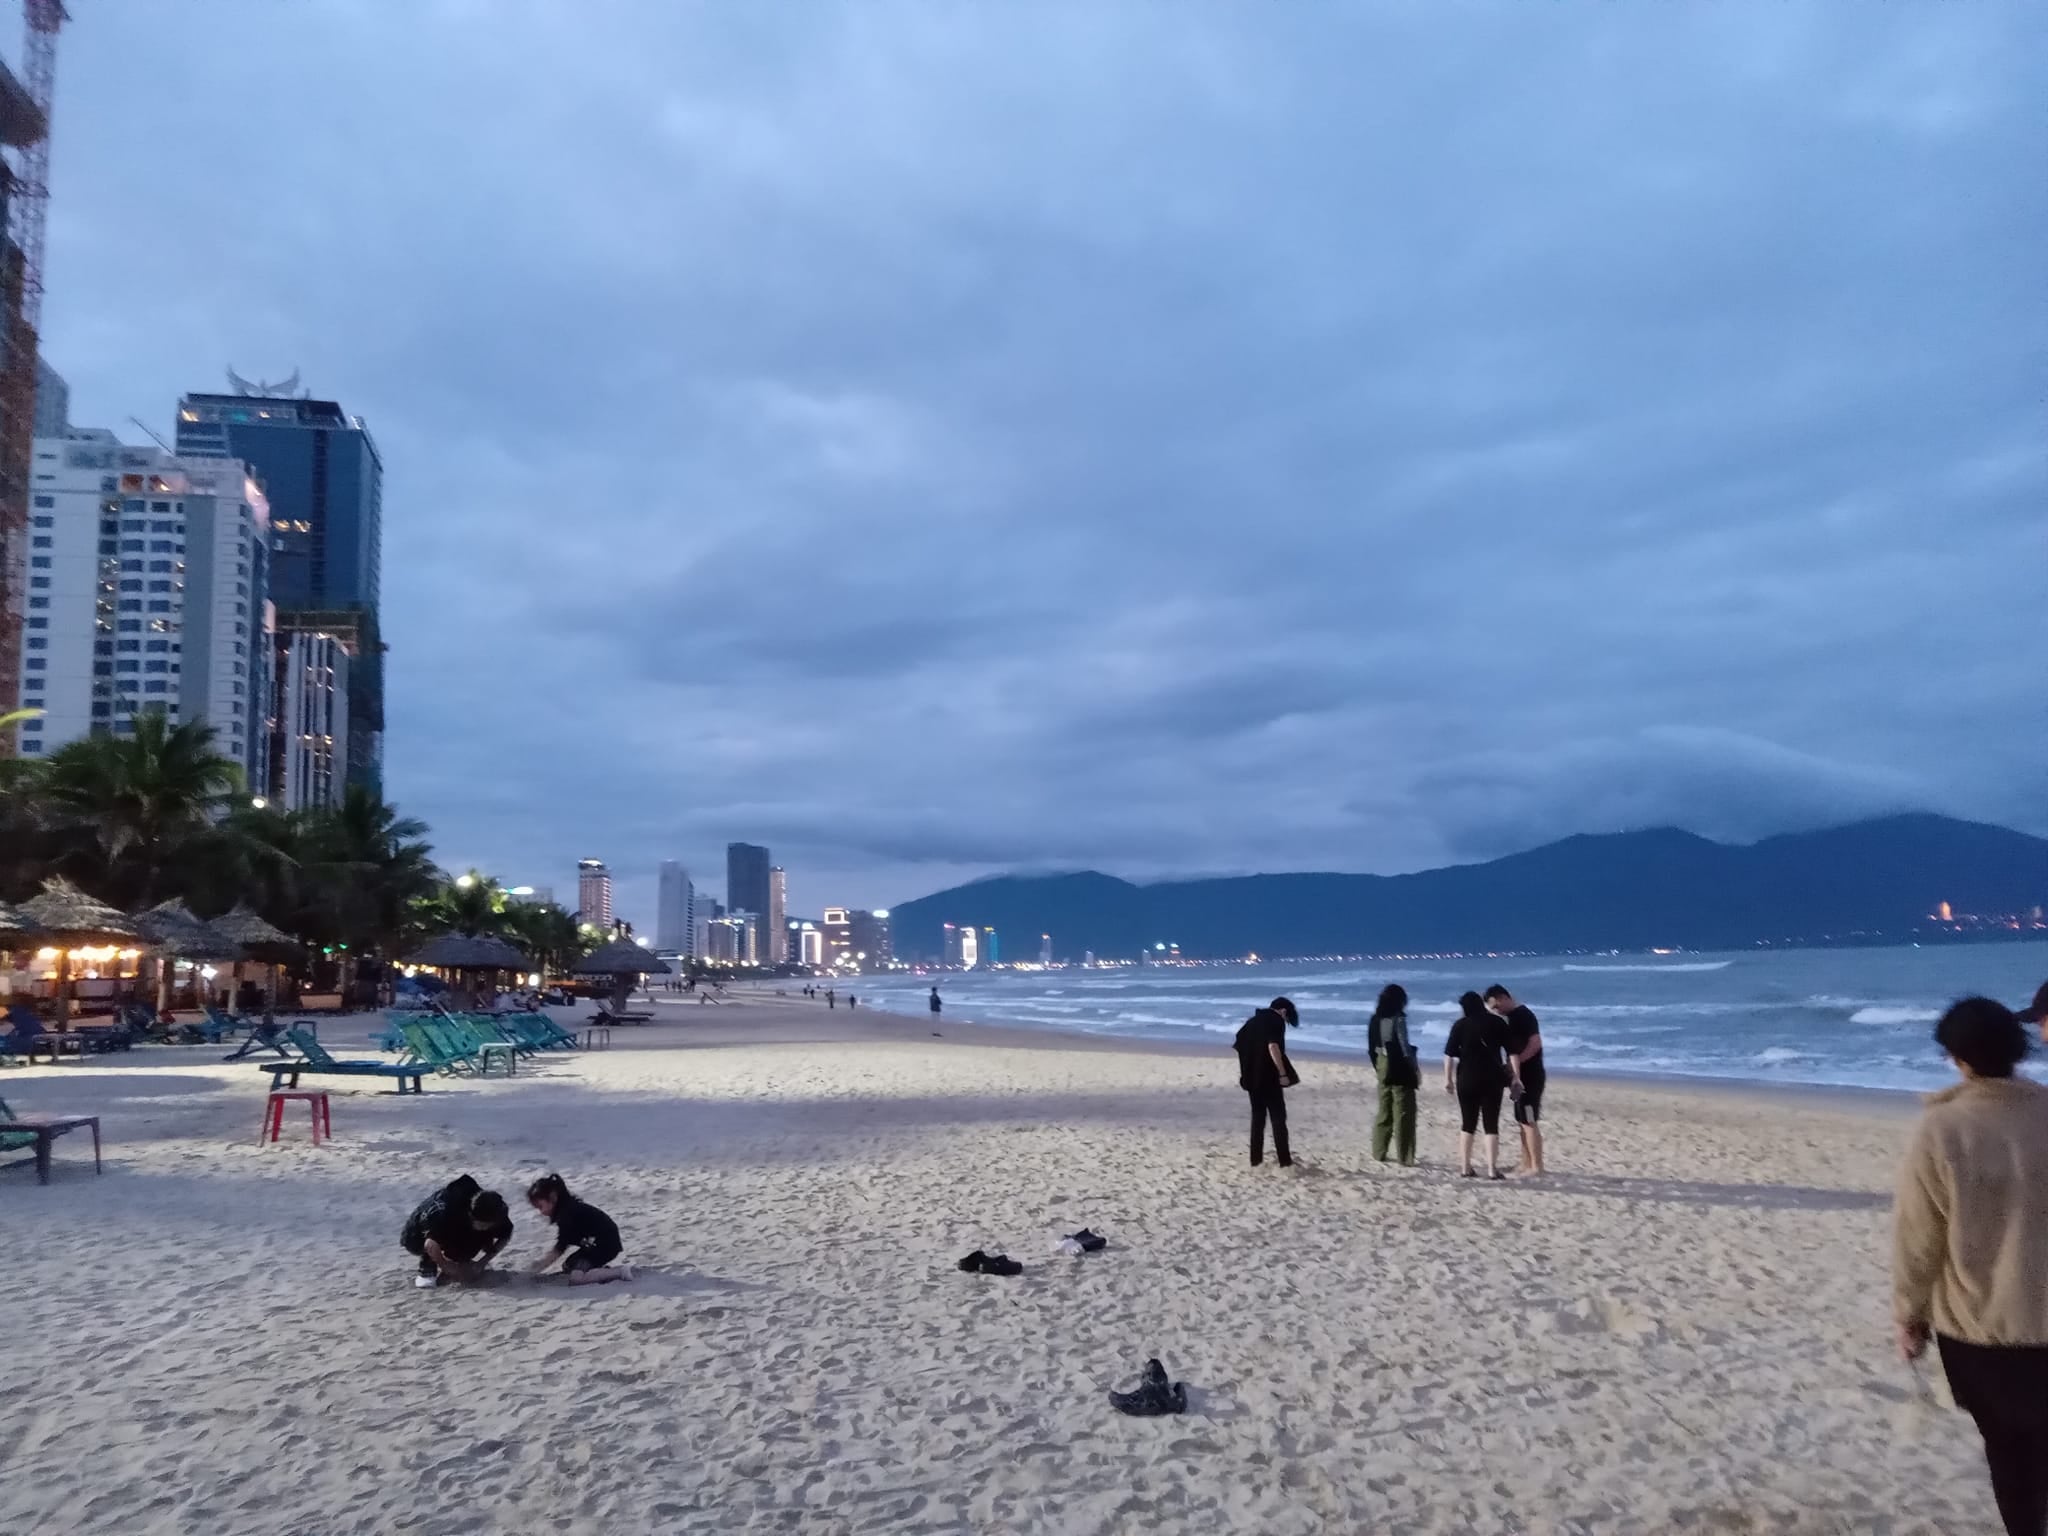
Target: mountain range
x: 1885, y: 878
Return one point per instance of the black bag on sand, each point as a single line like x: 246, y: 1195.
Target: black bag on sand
x: 979, y: 1263
x: 1155, y: 1395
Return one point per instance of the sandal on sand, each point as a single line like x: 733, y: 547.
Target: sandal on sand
x: 1154, y: 1395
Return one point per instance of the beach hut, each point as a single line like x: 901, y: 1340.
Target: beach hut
x: 624, y: 959
x: 70, y: 922
x: 178, y: 934
x: 17, y: 935
x: 255, y: 940
x: 470, y: 955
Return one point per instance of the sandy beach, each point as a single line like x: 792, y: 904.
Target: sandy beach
x: 1685, y: 1328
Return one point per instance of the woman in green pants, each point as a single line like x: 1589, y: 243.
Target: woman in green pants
x: 1393, y: 1061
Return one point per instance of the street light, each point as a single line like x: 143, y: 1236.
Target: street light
x: 258, y: 802
x: 464, y: 882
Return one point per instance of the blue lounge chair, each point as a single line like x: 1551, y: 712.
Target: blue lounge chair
x: 316, y: 1062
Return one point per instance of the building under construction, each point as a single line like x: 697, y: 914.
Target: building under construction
x: 24, y: 186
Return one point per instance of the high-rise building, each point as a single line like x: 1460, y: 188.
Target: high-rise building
x: 991, y: 951
x: 141, y: 595
x: 722, y: 939
x: 837, y: 943
x: 807, y: 945
x: 325, y: 484
x: 594, y: 893
x: 746, y: 878
x: 675, y: 912
x: 22, y: 123
x: 1045, y: 950
x: 955, y: 944
x: 308, y: 724
x: 774, y: 917
x: 970, y: 947
x: 868, y: 933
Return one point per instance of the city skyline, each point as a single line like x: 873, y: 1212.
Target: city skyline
x: 1501, y: 473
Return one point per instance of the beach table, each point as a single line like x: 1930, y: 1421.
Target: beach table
x: 47, y: 1128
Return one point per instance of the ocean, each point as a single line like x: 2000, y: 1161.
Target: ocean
x: 1849, y: 1017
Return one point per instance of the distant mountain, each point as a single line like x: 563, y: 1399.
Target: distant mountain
x: 1631, y: 890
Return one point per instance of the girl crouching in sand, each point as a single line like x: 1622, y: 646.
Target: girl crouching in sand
x: 588, y: 1237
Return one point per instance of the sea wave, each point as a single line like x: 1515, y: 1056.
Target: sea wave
x: 1894, y: 1016
x: 1695, y: 965
x: 1771, y: 1056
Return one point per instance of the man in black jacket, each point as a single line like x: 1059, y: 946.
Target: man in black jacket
x: 1264, y: 1073
x: 456, y: 1231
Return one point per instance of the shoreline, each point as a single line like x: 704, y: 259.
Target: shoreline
x: 1026, y: 1036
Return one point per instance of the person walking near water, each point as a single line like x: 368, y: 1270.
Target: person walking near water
x: 1393, y: 1062
x: 1970, y: 1224
x: 1476, y: 1054
x: 1265, y: 1074
x: 1526, y: 1077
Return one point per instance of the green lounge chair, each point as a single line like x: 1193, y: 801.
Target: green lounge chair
x: 486, y: 1044
x: 430, y: 1048
x: 542, y: 1030
x: 317, y: 1062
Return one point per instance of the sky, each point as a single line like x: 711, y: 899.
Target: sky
x: 934, y: 440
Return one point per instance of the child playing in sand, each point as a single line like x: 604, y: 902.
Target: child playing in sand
x: 583, y: 1232
x: 455, y: 1232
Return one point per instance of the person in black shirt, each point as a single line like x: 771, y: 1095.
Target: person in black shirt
x: 1475, y: 1053
x: 1393, y: 1062
x: 1264, y: 1073
x: 588, y: 1237
x: 1527, y: 1077
x: 456, y: 1231
x: 935, y: 1002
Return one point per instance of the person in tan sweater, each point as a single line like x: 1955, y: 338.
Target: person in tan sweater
x: 1970, y: 1250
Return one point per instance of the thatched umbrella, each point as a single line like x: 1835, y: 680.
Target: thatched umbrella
x: 625, y: 959
x: 470, y: 953
x: 69, y: 918
x: 173, y: 929
x: 254, y: 939
x: 17, y: 933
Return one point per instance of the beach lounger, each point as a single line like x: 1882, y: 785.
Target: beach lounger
x: 37, y: 1132
x: 605, y: 1015
x: 541, y: 1030
x: 317, y: 1062
x: 428, y: 1046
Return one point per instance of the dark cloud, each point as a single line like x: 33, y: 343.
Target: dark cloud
x: 935, y: 439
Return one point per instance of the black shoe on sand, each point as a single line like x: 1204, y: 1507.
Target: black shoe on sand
x: 1154, y: 1395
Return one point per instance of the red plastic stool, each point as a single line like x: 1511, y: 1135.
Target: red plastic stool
x: 323, y: 1118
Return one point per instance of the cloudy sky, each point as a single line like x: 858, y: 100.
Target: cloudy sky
x: 932, y: 439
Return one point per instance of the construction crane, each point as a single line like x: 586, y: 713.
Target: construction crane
x: 25, y: 126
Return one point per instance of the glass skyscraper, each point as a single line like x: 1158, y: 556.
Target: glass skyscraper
x: 324, y: 483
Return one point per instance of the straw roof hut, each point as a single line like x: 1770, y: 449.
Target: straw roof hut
x: 253, y: 938
x: 622, y: 957
x: 172, y: 928
x: 71, y: 919
x: 469, y: 952
x: 68, y: 916
x: 16, y: 929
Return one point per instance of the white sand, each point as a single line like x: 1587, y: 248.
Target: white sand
x: 1684, y: 1330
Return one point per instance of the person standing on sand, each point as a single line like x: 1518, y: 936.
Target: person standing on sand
x: 1393, y: 1062
x: 1476, y: 1054
x: 935, y: 1002
x: 1970, y: 1227
x: 1265, y: 1074
x: 1526, y: 1076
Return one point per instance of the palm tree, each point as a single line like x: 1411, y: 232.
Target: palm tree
x: 546, y: 932
x: 147, y: 800
x: 367, y: 867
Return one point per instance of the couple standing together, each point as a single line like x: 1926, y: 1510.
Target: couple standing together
x: 1495, y: 1047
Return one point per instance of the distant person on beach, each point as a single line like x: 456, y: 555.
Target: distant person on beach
x: 1393, y: 1062
x: 1970, y: 1227
x: 852, y: 1001
x: 586, y: 1240
x: 1526, y: 1077
x: 1476, y: 1070
x: 935, y: 1002
x: 831, y: 998
x: 456, y: 1232
x: 1265, y: 1074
